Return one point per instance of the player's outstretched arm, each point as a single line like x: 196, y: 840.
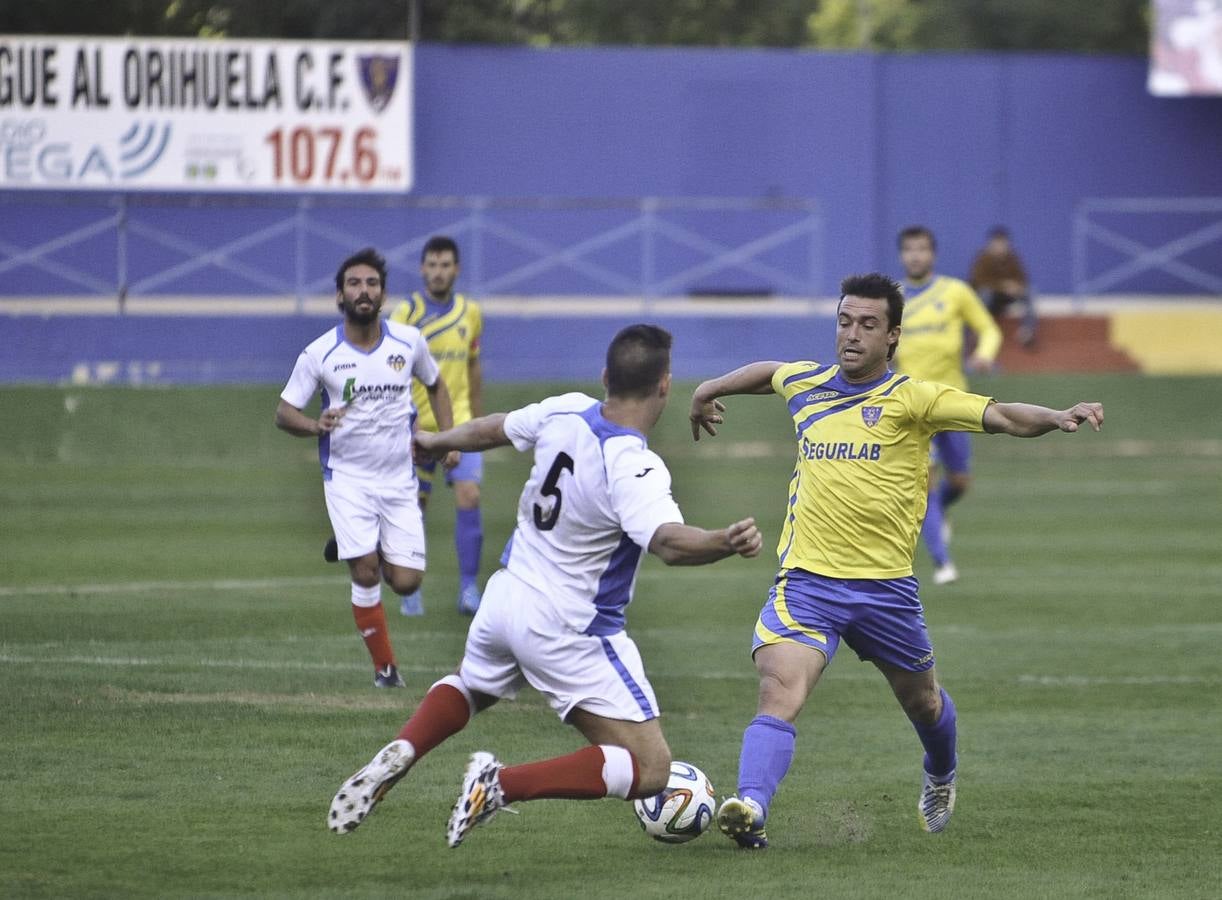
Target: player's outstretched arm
x: 687, y: 545
x: 289, y: 418
x: 1028, y: 420
x: 483, y: 433
x: 753, y: 378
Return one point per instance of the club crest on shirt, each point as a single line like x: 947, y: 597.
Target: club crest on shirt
x: 871, y: 414
x: 396, y: 361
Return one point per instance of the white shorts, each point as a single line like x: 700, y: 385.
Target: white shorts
x: 368, y: 514
x: 517, y: 637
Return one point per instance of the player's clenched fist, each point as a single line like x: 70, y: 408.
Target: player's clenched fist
x: 330, y: 419
x: 424, y: 445
x: 745, y: 538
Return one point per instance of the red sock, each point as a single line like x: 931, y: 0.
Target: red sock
x: 371, y: 623
x: 443, y: 711
x: 578, y: 776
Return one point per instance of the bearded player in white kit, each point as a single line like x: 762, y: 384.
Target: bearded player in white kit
x: 364, y: 367
x: 553, y: 617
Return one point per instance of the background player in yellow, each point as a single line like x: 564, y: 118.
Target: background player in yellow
x: 453, y: 325
x: 937, y: 309
x: 846, y: 546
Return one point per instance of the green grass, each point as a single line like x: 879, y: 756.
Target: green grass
x: 182, y: 689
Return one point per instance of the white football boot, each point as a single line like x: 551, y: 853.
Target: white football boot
x: 358, y: 795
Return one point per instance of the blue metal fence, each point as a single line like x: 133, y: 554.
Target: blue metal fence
x: 129, y: 246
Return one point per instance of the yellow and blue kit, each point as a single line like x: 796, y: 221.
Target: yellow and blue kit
x: 931, y: 341
x: 453, y: 333
x: 858, y: 492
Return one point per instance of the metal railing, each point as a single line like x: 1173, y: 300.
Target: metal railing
x: 1171, y: 228
x: 138, y: 245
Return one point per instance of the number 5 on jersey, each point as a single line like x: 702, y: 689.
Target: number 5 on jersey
x: 547, y: 521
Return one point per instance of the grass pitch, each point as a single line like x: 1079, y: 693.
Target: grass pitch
x: 182, y: 688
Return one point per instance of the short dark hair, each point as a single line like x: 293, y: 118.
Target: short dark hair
x: 915, y: 231
x: 365, y: 257
x: 637, y: 360
x: 999, y: 231
x: 439, y: 243
x: 876, y: 286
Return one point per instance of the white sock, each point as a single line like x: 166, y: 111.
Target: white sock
x: 617, y: 770
x: 366, y: 596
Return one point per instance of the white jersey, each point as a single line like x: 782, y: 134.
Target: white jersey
x: 374, y: 438
x: 595, y: 496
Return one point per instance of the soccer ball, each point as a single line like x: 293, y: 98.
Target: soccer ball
x: 682, y: 811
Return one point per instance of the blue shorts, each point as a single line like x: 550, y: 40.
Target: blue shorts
x: 881, y: 620
x: 470, y: 468
x: 953, y: 449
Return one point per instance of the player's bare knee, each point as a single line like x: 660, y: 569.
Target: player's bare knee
x: 653, y: 770
x: 780, y: 697
x: 466, y: 495
x: 364, y: 570
x: 404, y: 581
x: 924, y: 705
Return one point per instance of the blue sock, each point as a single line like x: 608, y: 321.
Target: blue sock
x: 931, y: 529
x: 948, y: 493
x: 939, y: 740
x: 469, y: 542
x: 765, y: 758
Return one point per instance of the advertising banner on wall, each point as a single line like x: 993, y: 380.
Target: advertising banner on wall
x: 135, y: 114
x: 1186, y: 48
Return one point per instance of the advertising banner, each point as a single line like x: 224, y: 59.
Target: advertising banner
x: 133, y: 114
x: 1186, y: 48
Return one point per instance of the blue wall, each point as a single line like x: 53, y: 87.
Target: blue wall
x: 959, y: 142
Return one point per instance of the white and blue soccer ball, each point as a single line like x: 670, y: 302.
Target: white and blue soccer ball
x: 683, y: 810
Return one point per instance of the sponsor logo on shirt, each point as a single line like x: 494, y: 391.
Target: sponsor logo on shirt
x: 354, y: 391
x: 846, y: 450
x: 342, y: 366
x: 821, y: 395
x: 396, y: 361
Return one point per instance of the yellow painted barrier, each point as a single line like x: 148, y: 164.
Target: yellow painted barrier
x: 1172, y: 341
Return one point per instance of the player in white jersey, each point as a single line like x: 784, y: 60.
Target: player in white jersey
x: 553, y: 617
x: 364, y: 368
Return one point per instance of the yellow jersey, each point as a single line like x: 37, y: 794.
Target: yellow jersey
x: 857, y: 496
x: 931, y: 340
x: 453, y: 336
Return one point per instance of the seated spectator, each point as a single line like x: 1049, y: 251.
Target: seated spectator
x: 1001, y: 281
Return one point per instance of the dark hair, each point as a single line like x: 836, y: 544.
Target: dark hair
x: 999, y: 231
x: 366, y: 257
x: 876, y: 286
x: 637, y: 360
x: 916, y: 231
x: 439, y: 243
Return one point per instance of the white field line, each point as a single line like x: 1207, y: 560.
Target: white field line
x: 743, y: 674
x: 1115, y: 680
x: 295, y: 665
x: 143, y: 587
